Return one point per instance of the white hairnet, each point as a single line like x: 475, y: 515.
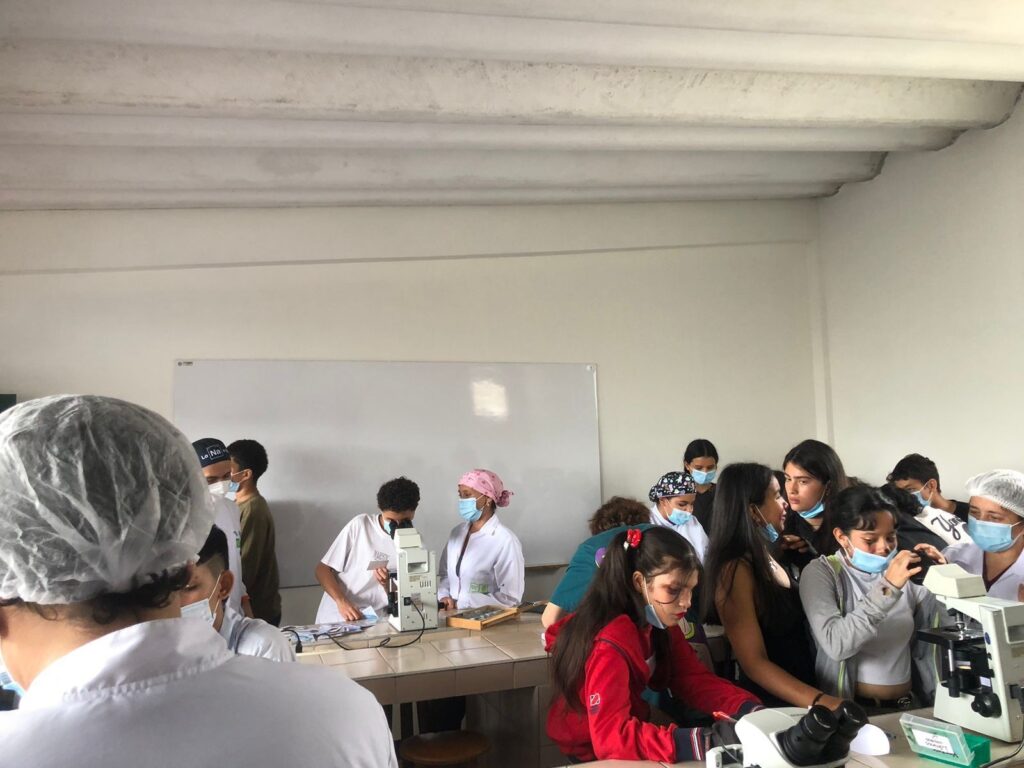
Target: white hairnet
x: 1003, y: 486
x: 96, y: 495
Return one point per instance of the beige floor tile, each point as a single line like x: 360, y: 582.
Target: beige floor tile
x: 521, y: 648
x: 338, y: 656
x: 350, y: 657
x: 444, y: 645
x: 445, y: 632
x: 361, y: 670
x: 475, y: 656
x: 420, y: 657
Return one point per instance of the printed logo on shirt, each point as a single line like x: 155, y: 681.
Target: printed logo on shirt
x: 951, y: 525
x: 595, y: 703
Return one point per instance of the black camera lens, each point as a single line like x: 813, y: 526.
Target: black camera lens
x: 804, y: 743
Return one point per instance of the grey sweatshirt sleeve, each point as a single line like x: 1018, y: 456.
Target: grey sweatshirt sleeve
x: 841, y: 637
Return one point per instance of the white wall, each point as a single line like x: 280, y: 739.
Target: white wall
x: 630, y: 288
x: 924, y: 289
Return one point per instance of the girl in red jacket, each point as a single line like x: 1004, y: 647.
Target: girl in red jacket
x: 625, y: 637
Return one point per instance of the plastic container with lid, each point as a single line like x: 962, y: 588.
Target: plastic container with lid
x: 946, y: 743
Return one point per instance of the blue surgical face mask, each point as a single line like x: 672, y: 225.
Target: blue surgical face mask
x: 870, y: 563
x: 991, y: 537
x: 468, y: 510
x: 201, y: 609
x: 650, y: 614
x: 767, y: 530
x: 7, y: 682
x: 703, y: 478
x: 232, y: 487
x: 814, y: 511
x: 678, y: 517
x: 919, y: 495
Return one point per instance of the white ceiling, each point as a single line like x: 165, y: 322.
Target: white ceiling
x: 185, y: 103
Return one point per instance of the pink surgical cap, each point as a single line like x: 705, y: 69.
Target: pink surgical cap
x: 489, y: 484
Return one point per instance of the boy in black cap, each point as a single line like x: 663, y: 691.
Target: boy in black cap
x: 216, y: 463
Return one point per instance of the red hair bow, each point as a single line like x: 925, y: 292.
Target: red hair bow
x: 633, y: 536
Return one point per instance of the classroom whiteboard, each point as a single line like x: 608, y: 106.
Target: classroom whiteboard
x: 335, y: 431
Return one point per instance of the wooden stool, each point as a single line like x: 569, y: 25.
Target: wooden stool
x: 444, y: 748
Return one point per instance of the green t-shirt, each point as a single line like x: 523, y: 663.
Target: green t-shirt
x: 574, y: 583
x: 259, y: 560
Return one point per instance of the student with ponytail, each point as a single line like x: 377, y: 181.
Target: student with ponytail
x: 625, y: 637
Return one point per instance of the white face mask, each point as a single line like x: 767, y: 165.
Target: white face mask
x: 201, y: 610
x: 220, y: 488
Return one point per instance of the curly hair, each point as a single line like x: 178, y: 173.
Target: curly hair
x: 617, y: 511
x: 249, y: 454
x: 398, y: 495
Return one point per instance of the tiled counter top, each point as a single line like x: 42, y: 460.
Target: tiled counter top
x: 444, y: 662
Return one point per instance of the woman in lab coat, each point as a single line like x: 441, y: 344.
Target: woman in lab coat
x: 482, y: 563
x: 102, y: 507
x: 672, y: 500
x: 996, y: 526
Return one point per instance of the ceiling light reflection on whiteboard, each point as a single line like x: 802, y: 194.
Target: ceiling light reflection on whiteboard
x: 490, y: 400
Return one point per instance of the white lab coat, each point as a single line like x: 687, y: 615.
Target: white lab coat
x: 254, y: 637
x: 361, y: 543
x: 228, y: 518
x: 949, y: 528
x: 168, y: 693
x: 970, y: 557
x: 693, y: 531
x: 492, y: 570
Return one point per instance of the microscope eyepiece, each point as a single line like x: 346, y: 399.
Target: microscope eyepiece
x: 851, y: 718
x: 804, y: 743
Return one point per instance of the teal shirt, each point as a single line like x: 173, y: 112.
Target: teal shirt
x: 574, y: 583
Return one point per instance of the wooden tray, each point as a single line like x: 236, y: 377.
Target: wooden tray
x: 482, y: 617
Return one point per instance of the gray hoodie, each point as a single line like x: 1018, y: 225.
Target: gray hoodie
x: 841, y: 625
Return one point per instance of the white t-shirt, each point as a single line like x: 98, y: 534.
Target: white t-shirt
x: 492, y: 569
x: 359, y: 544
x: 949, y: 528
x: 692, y: 531
x: 228, y: 518
x: 971, y: 558
x: 254, y: 637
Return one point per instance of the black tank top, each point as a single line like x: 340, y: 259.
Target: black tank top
x: 787, y: 642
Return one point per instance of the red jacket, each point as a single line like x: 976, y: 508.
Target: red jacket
x: 613, y: 724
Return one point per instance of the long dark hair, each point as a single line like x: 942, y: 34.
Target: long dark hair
x: 824, y: 465
x: 612, y: 594
x: 857, y: 509
x: 734, y: 537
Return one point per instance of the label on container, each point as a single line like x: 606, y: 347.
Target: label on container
x: 933, y: 741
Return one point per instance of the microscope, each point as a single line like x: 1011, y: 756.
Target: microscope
x: 412, y: 594
x: 981, y: 657
x: 788, y: 737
